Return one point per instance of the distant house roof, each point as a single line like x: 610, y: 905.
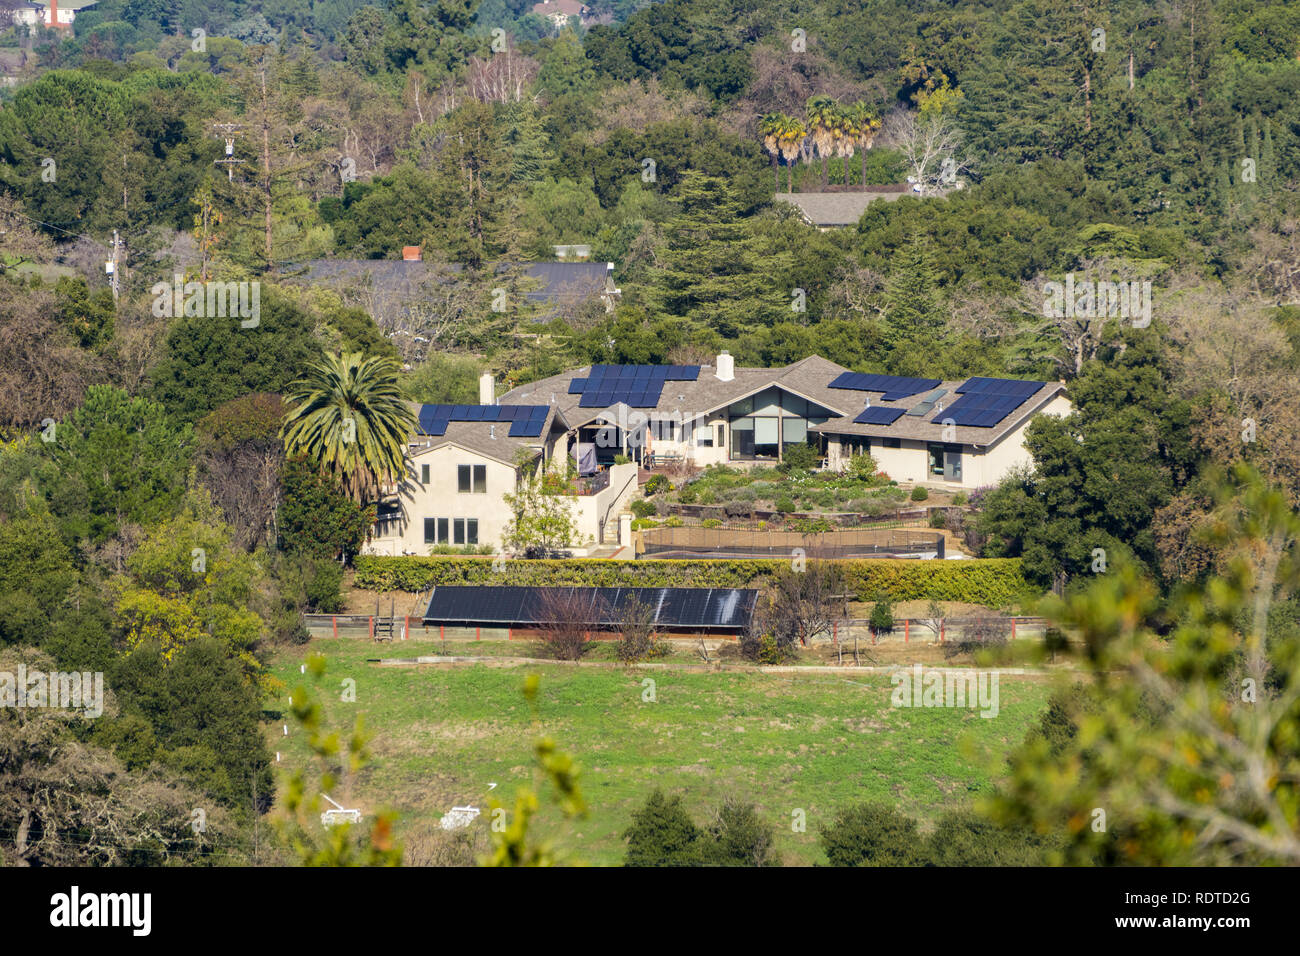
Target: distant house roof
x: 826, y: 210
x: 552, y: 8
x: 559, y: 281
x: 727, y: 609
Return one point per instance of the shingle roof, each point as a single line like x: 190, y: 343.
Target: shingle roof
x: 921, y: 428
x: 839, y: 209
x: 490, y: 439
x: 807, y: 378
x: 572, y: 281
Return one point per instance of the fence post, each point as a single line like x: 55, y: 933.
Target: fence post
x: 510, y: 633
x: 1013, y: 628
x: 907, y: 627
x: 942, y: 624
x: 478, y: 633
x: 334, y: 618
x: 835, y: 632
x: 372, y: 627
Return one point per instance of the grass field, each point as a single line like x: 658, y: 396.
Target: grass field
x: 813, y: 742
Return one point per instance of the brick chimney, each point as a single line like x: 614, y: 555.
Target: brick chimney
x: 411, y: 254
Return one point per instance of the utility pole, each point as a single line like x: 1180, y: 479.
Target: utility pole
x: 113, y: 268
x: 229, y: 131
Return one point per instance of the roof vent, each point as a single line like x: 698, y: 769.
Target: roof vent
x: 492, y: 430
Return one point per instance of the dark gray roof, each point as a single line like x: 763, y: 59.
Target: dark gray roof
x: 489, y: 439
x: 921, y: 428
x: 552, y: 281
x: 806, y: 378
x: 840, y: 209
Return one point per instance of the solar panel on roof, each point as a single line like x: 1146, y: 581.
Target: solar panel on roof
x: 892, y: 387
x: 879, y: 415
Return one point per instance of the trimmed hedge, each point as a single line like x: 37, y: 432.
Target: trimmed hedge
x: 992, y: 582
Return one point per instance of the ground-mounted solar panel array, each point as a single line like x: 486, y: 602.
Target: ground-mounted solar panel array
x: 894, y: 387
x: 526, y: 421
x: 685, y: 608
x: 986, y: 401
x: 879, y: 415
x: 637, y: 386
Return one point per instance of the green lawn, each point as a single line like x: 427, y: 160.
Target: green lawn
x: 784, y: 742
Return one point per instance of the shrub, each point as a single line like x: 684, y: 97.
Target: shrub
x: 863, y: 468
x: 802, y: 457
x: 785, y: 505
x: 763, y: 649
x: 979, y: 632
x: 736, y: 837
x: 622, y: 460
x: 673, y: 521
x: 657, y: 484
x: 661, y: 834
x: 637, y: 640
x: 881, y: 620
x: 566, y: 618
x: 938, y: 518
x: 989, y: 581
x: 642, y: 508
x: 711, y: 523
x: 872, y: 834
x: 960, y: 498
x: 919, y: 494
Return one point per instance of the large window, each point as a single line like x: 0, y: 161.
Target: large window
x: 424, y: 474
x: 850, y: 446
x: 451, y: 531
x: 471, y: 479
x: 765, y: 424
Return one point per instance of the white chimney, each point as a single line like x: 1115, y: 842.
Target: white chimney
x: 726, y: 367
x: 487, y: 389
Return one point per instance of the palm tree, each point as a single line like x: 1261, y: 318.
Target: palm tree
x: 790, y: 135
x: 866, y: 122
x: 821, y: 120
x: 845, y: 132
x: 349, y: 417
x: 769, y: 127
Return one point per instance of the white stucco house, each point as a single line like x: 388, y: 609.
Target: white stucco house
x: 958, y: 434
x: 461, y: 462
x: 55, y: 14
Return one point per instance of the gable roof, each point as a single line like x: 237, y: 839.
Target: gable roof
x: 839, y: 209
x: 808, y: 378
x: 491, y: 439
x: 929, y: 426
